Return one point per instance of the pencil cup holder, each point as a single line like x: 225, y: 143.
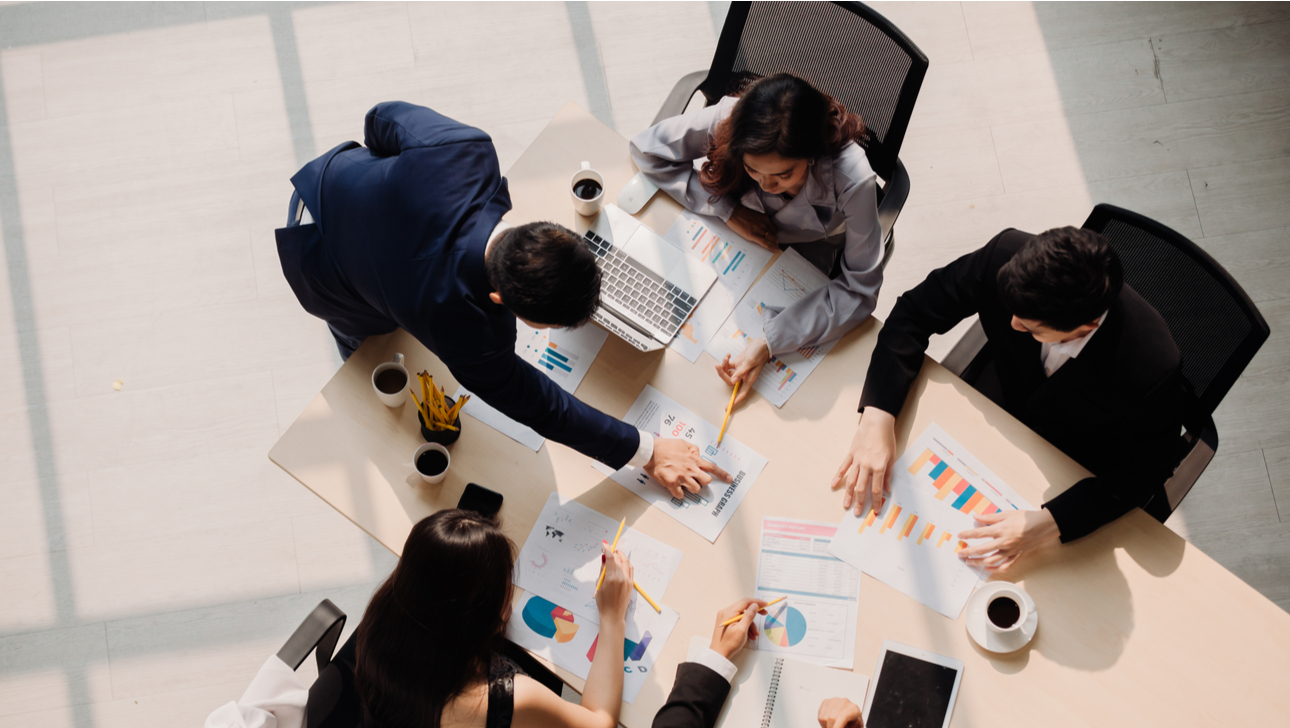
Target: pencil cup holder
x: 443, y: 437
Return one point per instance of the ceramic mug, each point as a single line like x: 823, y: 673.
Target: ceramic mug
x: 435, y: 448
x: 998, y: 607
x: 587, y: 206
x: 396, y: 397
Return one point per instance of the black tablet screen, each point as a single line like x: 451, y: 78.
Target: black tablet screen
x: 911, y: 693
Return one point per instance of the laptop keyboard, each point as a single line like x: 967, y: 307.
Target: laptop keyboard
x: 638, y: 289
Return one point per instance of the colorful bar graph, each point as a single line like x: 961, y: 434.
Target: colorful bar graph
x: 891, y: 518
x: 734, y: 263
x: 926, y: 534
x: 555, y: 361
x: 968, y: 499
x: 921, y: 461
x: 909, y: 526
x: 784, y: 372
x: 868, y: 521
x: 945, y: 536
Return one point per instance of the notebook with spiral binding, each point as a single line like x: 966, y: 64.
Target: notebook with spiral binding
x: 779, y: 692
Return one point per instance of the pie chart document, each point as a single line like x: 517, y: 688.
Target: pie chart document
x: 817, y: 622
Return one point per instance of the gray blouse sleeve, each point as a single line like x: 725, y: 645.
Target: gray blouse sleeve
x: 665, y: 153
x: 829, y: 312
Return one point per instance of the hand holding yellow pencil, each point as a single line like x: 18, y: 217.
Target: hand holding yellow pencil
x: 729, y: 408
x: 738, y: 617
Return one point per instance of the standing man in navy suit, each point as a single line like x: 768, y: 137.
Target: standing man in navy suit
x: 406, y: 232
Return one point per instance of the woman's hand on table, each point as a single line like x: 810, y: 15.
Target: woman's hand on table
x: 677, y: 466
x: 615, y: 592
x: 756, y: 227
x: 867, y: 465
x: 727, y: 640
x: 1009, y: 535
x: 840, y: 713
x: 745, y: 367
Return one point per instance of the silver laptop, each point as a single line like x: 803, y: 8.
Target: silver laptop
x: 649, y: 287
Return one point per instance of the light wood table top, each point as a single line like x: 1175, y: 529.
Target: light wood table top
x: 1137, y: 627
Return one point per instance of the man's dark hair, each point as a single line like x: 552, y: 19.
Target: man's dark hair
x: 546, y: 274
x: 1063, y: 278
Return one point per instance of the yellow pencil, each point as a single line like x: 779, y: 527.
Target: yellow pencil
x: 652, y: 603
x: 740, y: 616
x: 729, y: 408
x: 611, y: 550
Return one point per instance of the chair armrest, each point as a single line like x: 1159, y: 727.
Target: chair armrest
x: 318, y: 633
x: 680, y: 96
x: 973, y: 341
x: 1189, y: 469
x: 530, y: 665
x: 894, y: 194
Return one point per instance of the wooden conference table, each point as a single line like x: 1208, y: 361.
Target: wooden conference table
x: 1137, y: 627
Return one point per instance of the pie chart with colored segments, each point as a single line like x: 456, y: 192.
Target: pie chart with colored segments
x: 549, y: 620
x: 786, y: 628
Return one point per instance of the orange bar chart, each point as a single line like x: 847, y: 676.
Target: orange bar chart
x: 926, y: 534
x: 945, y: 536
x: 909, y: 526
x: 891, y: 518
x: 868, y: 521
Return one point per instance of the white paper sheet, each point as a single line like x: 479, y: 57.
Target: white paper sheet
x: 564, y: 355
x: 736, y: 262
x: 817, y: 622
x: 911, y: 545
x: 789, y: 279
x: 560, y: 561
x: 709, y: 510
x: 570, y: 640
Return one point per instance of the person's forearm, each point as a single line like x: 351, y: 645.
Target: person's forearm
x: 603, y: 692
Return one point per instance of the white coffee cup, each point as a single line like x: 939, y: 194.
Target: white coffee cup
x: 436, y: 447
x: 1023, y: 611
x: 587, y: 207
x: 397, y: 397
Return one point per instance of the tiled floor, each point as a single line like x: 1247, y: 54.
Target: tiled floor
x: 151, y: 556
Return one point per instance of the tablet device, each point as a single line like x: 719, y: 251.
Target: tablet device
x: 912, y: 688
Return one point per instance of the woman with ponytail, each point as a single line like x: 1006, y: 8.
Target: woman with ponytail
x: 784, y: 167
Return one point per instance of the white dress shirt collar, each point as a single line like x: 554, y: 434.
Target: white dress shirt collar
x: 1054, y: 355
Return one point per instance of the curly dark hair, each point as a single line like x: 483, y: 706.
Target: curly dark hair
x: 545, y: 273
x: 781, y: 114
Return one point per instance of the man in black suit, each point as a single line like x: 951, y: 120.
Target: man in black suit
x: 1072, y: 352
x: 703, y: 681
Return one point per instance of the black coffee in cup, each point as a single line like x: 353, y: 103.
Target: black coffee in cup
x: 1003, y: 611
x: 391, y: 380
x: 432, y: 462
x: 586, y: 189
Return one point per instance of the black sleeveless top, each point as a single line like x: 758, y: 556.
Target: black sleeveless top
x: 501, y: 691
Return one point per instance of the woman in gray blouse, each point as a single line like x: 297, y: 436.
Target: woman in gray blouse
x: 783, y: 166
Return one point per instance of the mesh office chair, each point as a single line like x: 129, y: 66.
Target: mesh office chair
x: 1216, y: 327
x: 845, y: 49
x: 333, y: 700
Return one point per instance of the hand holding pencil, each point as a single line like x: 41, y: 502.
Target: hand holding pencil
x: 744, y: 367
x: 735, y: 626
x: 615, y: 592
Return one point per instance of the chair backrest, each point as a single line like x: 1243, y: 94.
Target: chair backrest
x: 843, y: 48
x: 333, y: 699
x: 1215, y: 325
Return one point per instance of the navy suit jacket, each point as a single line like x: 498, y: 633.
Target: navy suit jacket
x: 1116, y: 408
x: 400, y: 228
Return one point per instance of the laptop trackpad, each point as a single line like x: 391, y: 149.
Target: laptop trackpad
x: 652, y: 252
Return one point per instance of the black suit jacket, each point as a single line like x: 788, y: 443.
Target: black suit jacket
x: 696, y: 698
x: 400, y: 230
x: 1116, y: 408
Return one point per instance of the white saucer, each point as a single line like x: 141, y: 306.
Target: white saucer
x: 993, y: 641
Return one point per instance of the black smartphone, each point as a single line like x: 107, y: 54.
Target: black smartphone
x: 481, y: 500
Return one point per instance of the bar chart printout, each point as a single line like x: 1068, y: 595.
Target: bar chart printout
x: 709, y: 510
x: 789, y: 280
x: 910, y: 544
x: 736, y: 262
x: 817, y: 622
x: 564, y: 355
